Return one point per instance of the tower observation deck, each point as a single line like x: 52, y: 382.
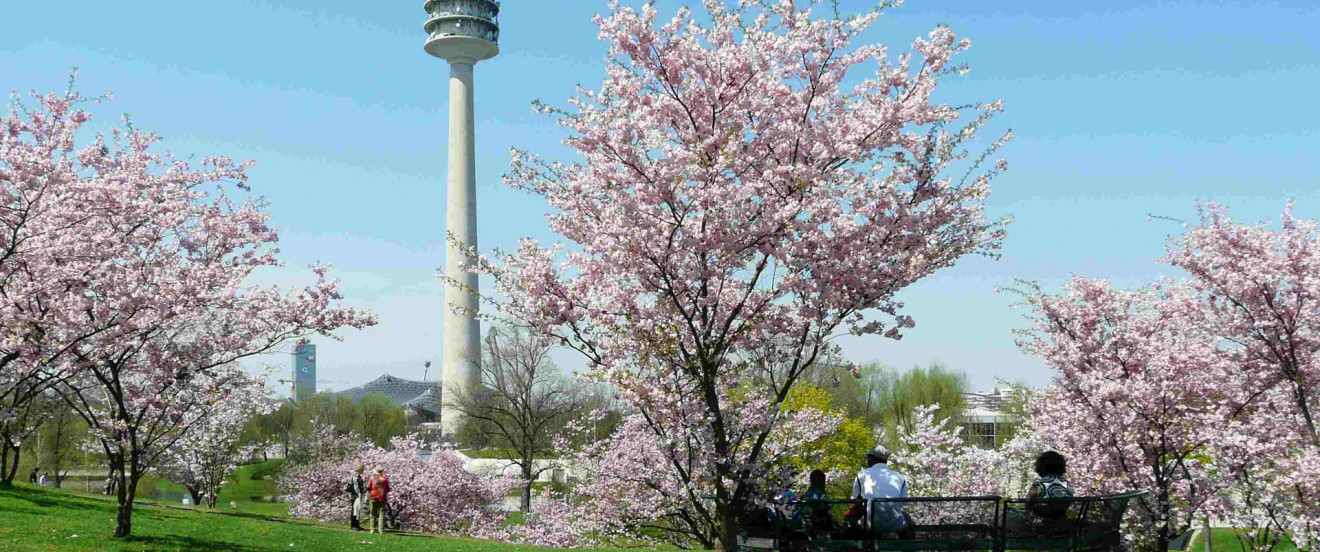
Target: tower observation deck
x: 463, y: 29
x: 462, y: 32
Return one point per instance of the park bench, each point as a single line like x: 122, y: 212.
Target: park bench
x: 1083, y: 523
x: 948, y: 523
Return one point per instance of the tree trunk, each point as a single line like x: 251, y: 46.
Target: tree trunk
x: 56, y: 468
x: 729, y: 534
x: 1300, y: 393
x: 4, y: 462
x: 196, y: 495
x: 7, y: 474
x: 528, y: 479
x: 126, y: 493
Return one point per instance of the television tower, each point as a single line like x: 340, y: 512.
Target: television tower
x: 462, y: 32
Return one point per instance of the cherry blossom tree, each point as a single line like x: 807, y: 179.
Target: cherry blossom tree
x: 1138, y: 399
x: 736, y: 206
x: 142, y: 291
x: 1260, y: 286
x: 208, y: 451
x: 39, y: 187
x: 430, y: 494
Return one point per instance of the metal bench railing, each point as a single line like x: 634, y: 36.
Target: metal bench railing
x: 1079, y: 523
x: 1089, y: 524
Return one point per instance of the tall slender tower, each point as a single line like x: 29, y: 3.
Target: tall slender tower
x: 462, y: 32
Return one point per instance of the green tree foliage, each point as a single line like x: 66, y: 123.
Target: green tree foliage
x: 61, y: 432
x: 375, y: 417
x: 883, y: 398
x: 901, y: 394
x: 842, y: 451
x: 380, y: 418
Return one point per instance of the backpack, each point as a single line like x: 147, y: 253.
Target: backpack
x: 376, y: 488
x: 1051, y: 487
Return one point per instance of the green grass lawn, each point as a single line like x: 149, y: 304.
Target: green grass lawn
x: 1223, y: 539
x: 32, y: 519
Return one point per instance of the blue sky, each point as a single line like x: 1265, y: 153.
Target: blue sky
x: 1119, y: 109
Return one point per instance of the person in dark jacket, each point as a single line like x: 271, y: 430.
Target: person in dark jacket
x: 357, y: 496
x: 32, y: 477
x: 819, y: 521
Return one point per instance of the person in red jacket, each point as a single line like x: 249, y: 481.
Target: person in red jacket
x: 378, y: 490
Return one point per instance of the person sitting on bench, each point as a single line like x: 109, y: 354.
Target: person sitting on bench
x: 1050, y: 466
x: 819, y: 521
x: 878, y: 481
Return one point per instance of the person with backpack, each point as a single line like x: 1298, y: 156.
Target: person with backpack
x: 1043, y: 515
x: 356, y: 488
x: 378, y: 491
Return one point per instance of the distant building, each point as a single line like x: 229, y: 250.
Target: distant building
x: 418, y: 398
x: 984, y: 418
x: 304, y: 371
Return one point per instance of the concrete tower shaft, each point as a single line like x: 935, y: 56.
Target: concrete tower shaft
x: 462, y: 32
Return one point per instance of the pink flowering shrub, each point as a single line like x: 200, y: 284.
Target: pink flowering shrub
x: 433, y: 495
x: 937, y: 461
x: 634, y: 491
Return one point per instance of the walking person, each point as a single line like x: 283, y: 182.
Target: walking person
x: 357, y: 496
x: 32, y: 477
x: 43, y: 481
x: 378, y: 490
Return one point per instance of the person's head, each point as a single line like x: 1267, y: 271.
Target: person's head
x: 1050, y: 463
x: 380, y: 470
x: 877, y: 455
x: 817, y: 479
x: 359, y: 467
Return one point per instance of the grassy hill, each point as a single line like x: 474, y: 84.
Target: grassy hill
x: 33, y: 518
